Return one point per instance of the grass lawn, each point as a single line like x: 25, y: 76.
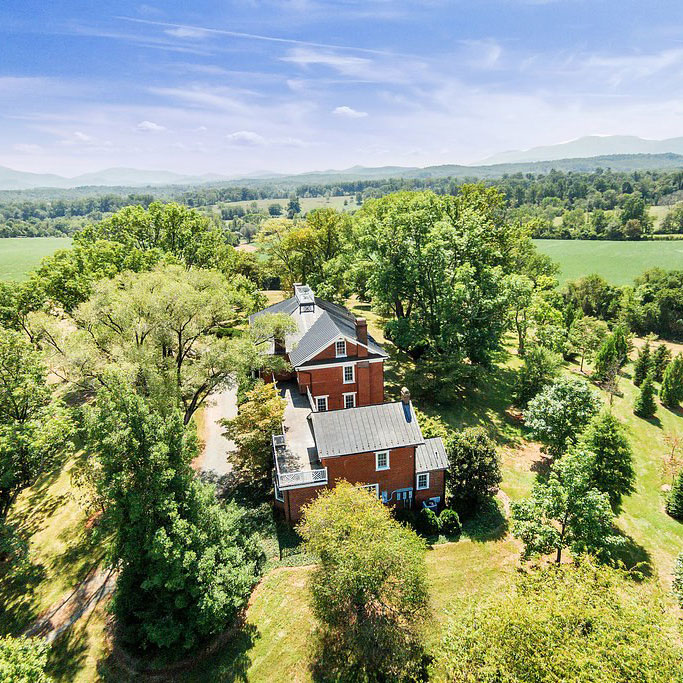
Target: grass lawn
x: 19, y: 255
x: 618, y: 262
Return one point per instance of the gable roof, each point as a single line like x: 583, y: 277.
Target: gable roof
x: 431, y: 455
x: 317, y: 330
x: 368, y: 428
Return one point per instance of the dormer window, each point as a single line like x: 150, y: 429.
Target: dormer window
x: 340, y: 348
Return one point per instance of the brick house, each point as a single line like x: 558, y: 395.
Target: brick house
x: 336, y: 423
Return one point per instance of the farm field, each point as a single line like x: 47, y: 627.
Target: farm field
x: 617, y: 261
x: 307, y: 203
x: 19, y: 255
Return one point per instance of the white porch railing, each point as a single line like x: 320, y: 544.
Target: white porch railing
x: 310, y: 400
x: 287, y: 480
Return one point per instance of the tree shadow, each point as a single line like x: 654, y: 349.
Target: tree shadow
x: 68, y: 653
x: 633, y: 557
x: 488, y: 523
x: 17, y: 590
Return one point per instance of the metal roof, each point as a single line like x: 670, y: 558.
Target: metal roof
x: 318, y: 329
x: 431, y: 455
x: 368, y: 428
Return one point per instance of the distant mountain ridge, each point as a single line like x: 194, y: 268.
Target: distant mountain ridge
x: 588, y: 146
x: 133, y: 179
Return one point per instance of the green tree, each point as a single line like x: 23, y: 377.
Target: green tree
x: 369, y: 588
x: 275, y: 209
x: 613, y: 472
x: 35, y: 428
x: 23, y: 660
x: 293, y: 207
x: 560, y: 412
x: 586, y: 335
x: 186, y: 563
x: 171, y: 331
x: 583, y: 624
x: 674, y: 502
x: 539, y: 368
x: 259, y: 417
x: 672, y: 383
x: 473, y: 468
x: 566, y: 511
x: 643, y: 365
x: 660, y: 360
x: 677, y: 583
x: 429, y: 255
x: 645, y: 405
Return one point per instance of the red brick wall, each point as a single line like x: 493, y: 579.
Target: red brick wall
x: 437, y: 480
x: 369, y: 384
x: 295, y: 499
x: 360, y: 469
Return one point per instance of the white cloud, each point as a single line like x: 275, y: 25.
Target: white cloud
x: 247, y: 138
x: 149, y: 127
x: 349, y: 113
x: 82, y: 137
x: 186, y: 32
x: 27, y: 148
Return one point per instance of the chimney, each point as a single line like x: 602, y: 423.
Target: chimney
x: 362, y: 330
x: 405, y: 401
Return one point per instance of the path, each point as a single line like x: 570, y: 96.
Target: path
x: 80, y: 601
x: 218, y: 407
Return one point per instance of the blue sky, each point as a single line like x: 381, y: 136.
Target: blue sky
x: 238, y: 86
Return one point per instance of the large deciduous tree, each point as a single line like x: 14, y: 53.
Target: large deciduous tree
x: 369, y: 589
x: 586, y: 335
x: 566, y: 511
x: 560, y: 412
x: 440, y: 265
x: 171, y: 330
x: 187, y: 563
x: 35, y: 428
x: 539, y: 368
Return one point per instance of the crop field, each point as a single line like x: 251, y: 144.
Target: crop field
x: 307, y: 203
x: 617, y: 262
x: 19, y: 255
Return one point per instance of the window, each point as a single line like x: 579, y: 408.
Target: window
x: 321, y: 404
x: 371, y: 487
x: 423, y: 481
x: 349, y: 374
x: 350, y: 400
x: 340, y: 348
x: 382, y: 460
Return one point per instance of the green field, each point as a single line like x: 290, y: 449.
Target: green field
x: 617, y: 262
x: 18, y: 255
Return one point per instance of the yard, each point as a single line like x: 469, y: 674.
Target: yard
x: 275, y: 644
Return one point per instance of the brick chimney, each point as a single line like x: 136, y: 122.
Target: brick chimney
x: 362, y: 330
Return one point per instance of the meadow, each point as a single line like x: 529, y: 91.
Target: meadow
x: 618, y: 262
x: 19, y: 255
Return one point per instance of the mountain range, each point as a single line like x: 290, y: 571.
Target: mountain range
x: 619, y: 152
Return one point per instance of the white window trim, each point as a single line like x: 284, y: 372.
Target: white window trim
x: 336, y: 350
x: 368, y: 487
x: 350, y: 393
x: 327, y: 403
x: 417, y: 483
x: 353, y: 373
x: 377, y: 467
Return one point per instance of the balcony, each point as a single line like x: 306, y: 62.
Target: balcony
x: 291, y: 471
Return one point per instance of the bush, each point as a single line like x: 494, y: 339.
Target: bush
x: 405, y: 516
x: 449, y: 522
x: 677, y: 585
x: 23, y: 660
x: 428, y: 522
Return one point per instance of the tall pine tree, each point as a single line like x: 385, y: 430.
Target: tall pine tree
x: 660, y: 360
x: 672, y: 383
x: 642, y: 365
x: 674, y: 504
x: 645, y: 405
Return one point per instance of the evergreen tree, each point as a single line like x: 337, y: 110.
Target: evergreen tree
x: 621, y: 344
x: 674, y: 504
x: 613, y: 471
x: 660, y: 361
x: 645, y: 405
x: 672, y: 383
x: 606, y: 358
x: 642, y: 365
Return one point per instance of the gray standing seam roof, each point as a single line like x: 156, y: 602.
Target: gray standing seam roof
x: 368, y: 428
x: 288, y: 306
x: 431, y: 455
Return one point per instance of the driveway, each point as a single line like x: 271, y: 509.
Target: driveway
x: 213, y: 460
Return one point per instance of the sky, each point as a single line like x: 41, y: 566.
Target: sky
x: 243, y: 86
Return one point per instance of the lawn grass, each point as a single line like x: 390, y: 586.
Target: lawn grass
x: 619, y: 262
x: 19, y: 255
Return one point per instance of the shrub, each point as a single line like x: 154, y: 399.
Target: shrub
x: 23, y: 660
x: 428, y: 522
x: 405, y: 516
x: 674, y: 503
x: 677, y: 584
x: 645, y: 405
x: 449, y: 522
